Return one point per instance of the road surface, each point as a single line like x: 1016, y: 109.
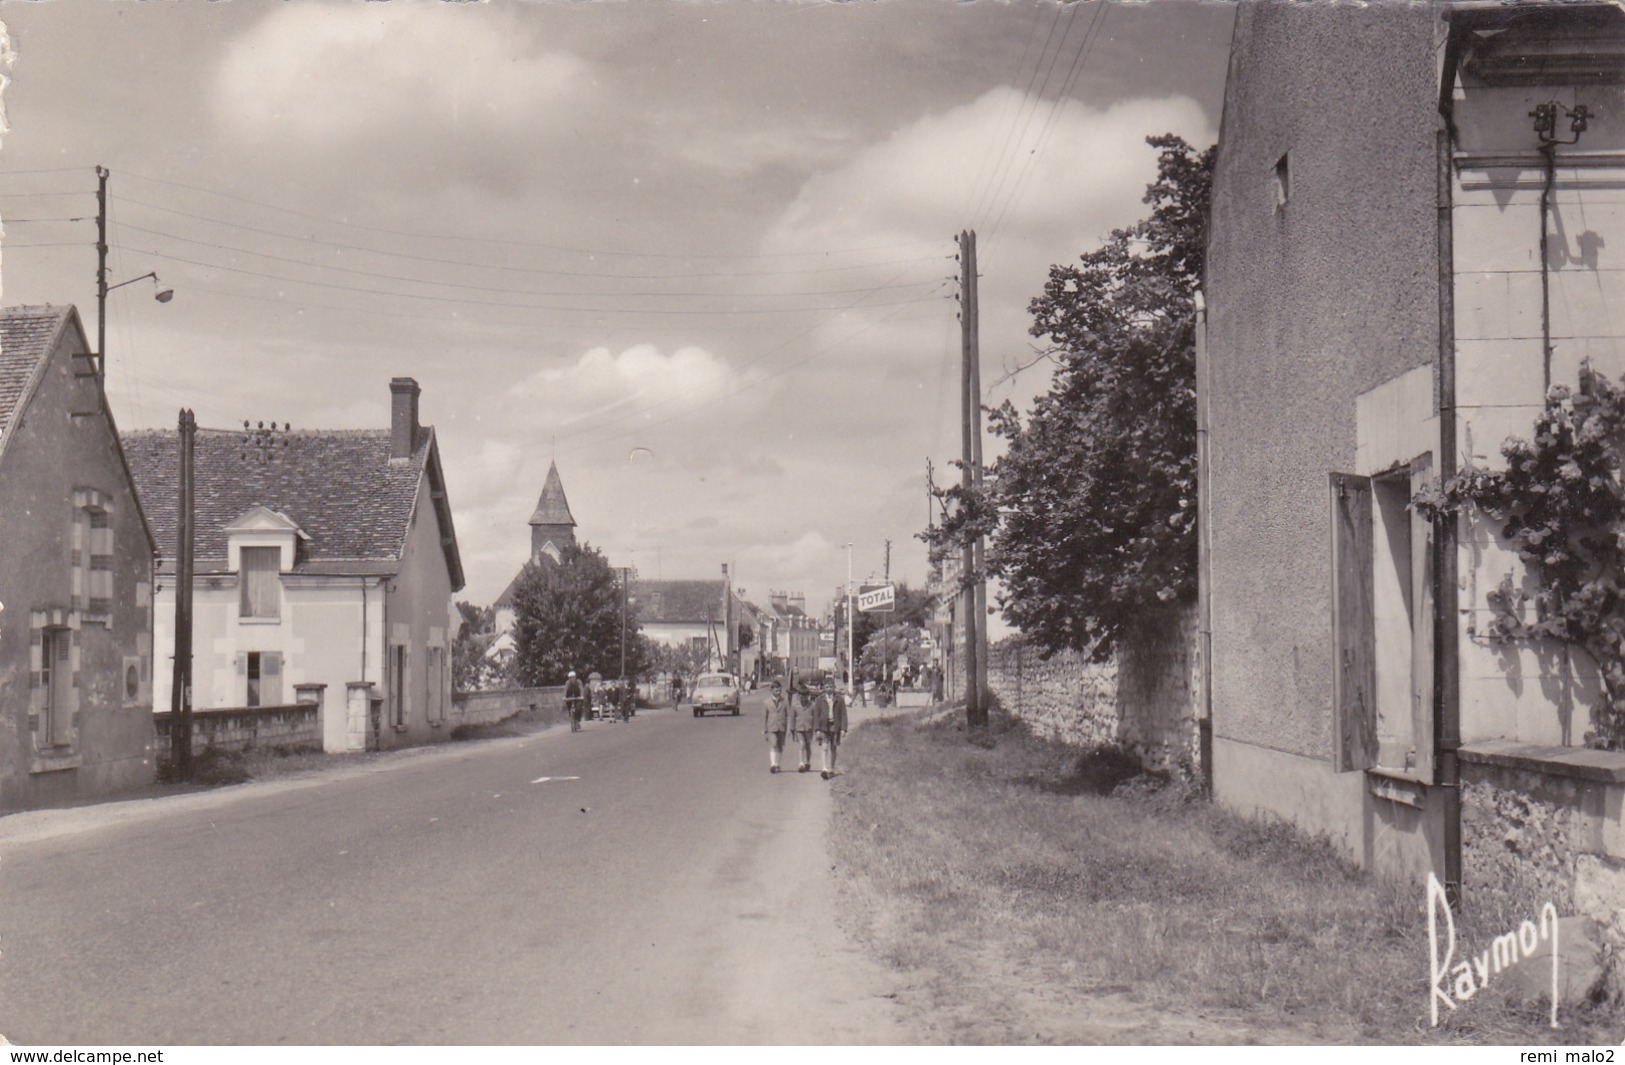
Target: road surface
x: 636, y: 883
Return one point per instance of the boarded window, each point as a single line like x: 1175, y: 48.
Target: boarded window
x: 397, y: 685
x: 261, y: 582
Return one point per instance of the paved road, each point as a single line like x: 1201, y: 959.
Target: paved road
x: 674, y: 893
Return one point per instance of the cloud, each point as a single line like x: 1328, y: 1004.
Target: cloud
x: 1017, y: 165
x: 399, y: 79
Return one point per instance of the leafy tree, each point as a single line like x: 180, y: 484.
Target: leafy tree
x: 567, y: 615
x: 913, y: 607
x: 1092, y: 509
x: 471, y: 669
x: 889, y: 646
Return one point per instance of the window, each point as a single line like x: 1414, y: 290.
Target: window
x: 258, y: 577
x: 91, y: 579
x: 56, y: 688
x: 263, y: 675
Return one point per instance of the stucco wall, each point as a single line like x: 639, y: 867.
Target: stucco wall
x: 1144, y: 699
x: 49, y: 455
x: 419, y: 614
x: 1310, y: 303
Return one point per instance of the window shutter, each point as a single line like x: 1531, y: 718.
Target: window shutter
x: 270, y: 680
x: 1354, y: 684
x: 260, y: 581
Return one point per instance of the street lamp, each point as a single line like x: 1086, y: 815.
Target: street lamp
x: 162, y: 295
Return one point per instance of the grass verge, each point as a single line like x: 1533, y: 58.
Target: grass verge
x: 1013, y: 895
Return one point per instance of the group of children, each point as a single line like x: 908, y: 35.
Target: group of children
x: 805, y: 715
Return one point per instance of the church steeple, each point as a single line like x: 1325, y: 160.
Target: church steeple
x: 551, y: 526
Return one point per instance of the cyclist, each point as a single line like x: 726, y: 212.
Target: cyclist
x: 573, y: 696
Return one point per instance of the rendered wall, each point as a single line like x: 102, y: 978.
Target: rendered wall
x: 1322, y: 285
x: 49, y: 455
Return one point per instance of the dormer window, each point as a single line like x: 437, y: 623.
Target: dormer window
x: 260, y: 582
x: 262, y: 545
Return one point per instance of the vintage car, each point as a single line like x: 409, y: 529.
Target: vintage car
x: 715, y: 691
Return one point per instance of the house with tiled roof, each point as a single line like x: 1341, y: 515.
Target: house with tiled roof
x: 76, y: 640
x: 324, y: 567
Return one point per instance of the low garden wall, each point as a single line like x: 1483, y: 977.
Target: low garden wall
x: 296, y: 726
x: 1143, y: 700
x: 490, y: 707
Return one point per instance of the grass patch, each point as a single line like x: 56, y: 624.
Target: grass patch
x: 1015, y: 871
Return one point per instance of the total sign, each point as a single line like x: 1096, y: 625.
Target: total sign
x: 877, y: 597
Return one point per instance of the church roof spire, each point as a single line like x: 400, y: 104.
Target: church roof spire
x: 552, y: 508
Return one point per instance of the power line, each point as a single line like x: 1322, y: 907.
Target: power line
x: 497, y: 303
x: 504, y: 291
x: 521, y: 243
x: 507, y: 268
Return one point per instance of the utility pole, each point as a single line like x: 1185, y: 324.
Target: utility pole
x: 625, y: 573
x: 180, y: 698
x: 974, y: 594
x: 101, y: 274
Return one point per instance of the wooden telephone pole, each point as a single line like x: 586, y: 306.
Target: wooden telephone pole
x: 180, y: 696
x: 975, y: 594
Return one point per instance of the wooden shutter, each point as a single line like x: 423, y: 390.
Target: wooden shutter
x: 261, y: 583
x: 270, y: 679
x: 1423, y: 624
x: 1354, y: 683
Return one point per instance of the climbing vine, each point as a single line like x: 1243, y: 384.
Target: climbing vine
x: 1561, y: 504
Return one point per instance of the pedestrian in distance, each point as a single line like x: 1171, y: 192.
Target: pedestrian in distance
x: 573, y: 696
x: 778, y: 720
x: 830, y: 725
x: 802, y: 713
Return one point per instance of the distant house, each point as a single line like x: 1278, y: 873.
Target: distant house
x: 792, y: 634
x: 1403, y: 258
x: 76, y: 640
x: 687, y: 613
x: 325, y: 563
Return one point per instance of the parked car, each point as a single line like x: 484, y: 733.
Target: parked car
x: 715, y: 691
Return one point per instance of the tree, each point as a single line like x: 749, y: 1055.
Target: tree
x: 471, y: 669
x: 567, y: 616
x: 912, y: 607
x: 1092, y: 509
x: 889, y: 646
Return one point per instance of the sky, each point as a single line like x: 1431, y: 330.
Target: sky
x: 699, y: 254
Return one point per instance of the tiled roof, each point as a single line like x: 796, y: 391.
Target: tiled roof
x: 552, y: 508
x: 338, y: 486
x: 675, y: 602
x: 27, y: 335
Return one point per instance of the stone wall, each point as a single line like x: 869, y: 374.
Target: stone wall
x: 1543, y: 824
x: 1144, y: 699
x: 488, y: 708
x: 293, y: 727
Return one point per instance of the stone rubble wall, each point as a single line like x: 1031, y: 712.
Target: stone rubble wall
x: 1144, y: 699
x: 491, y: 707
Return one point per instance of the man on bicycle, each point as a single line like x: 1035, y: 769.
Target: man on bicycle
x: 574, y: 696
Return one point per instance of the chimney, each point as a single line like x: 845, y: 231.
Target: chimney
x: 403, y: 418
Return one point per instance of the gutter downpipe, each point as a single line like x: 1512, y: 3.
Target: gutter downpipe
x: 1446, y: 657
